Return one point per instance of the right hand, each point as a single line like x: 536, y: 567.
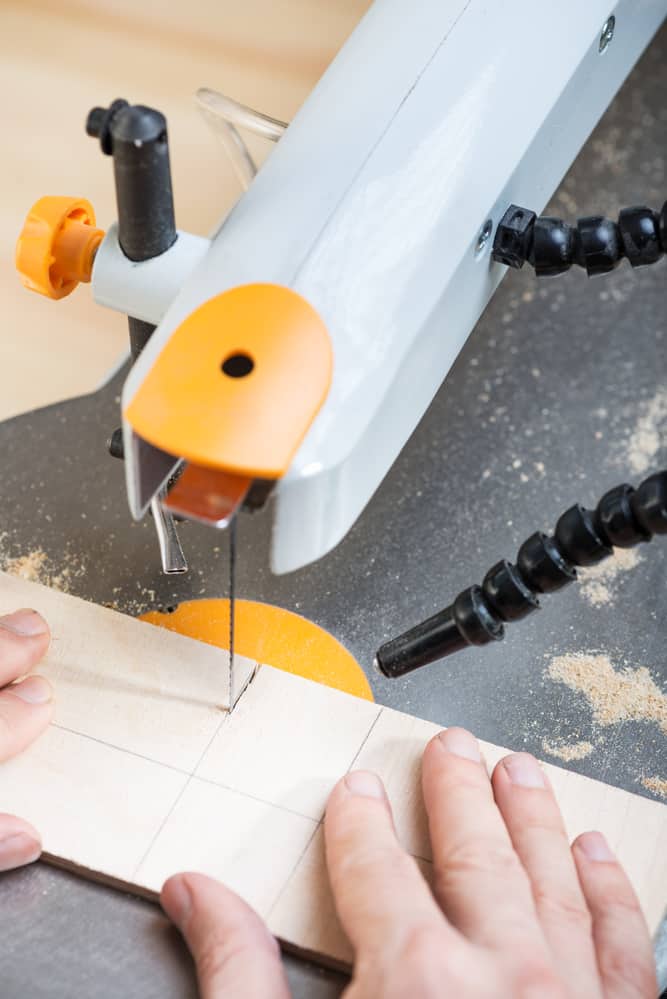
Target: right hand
x: 26, y: 709
x: 515, y: 912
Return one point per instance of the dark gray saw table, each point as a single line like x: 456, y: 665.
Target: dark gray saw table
x: 538, y: 412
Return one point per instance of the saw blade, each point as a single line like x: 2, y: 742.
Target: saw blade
x: 233, y: 693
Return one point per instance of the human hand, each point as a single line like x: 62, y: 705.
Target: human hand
x: 514, y: 912
x: 26, y: 708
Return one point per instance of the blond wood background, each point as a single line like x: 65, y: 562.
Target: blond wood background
x: 59, y: 58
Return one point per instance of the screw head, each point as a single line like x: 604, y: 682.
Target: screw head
x: 483, y: 238
x: 606, y: 34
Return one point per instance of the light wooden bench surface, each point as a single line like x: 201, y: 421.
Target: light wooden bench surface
x: 56, y: 62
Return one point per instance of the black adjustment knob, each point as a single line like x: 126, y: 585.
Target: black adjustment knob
x: 98, y: 124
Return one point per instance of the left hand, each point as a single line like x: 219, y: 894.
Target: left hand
x: 26, y: 708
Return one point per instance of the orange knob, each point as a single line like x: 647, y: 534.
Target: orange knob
x: 57, y: 245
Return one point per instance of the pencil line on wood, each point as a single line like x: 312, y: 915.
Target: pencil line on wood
x: 188, y: 773
x: 320, y: 823
x: 365, y: 739
x: 252, y: 797
x: 121, y: 749
x: 295, y: 868
x: 161, y: 827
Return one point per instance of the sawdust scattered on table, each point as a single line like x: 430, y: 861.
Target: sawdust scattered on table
x: 28, y: 567
x: 143, y: 599
x: 598, y: 581
x: 37, y: 567
x: 650, y: 433
x: 658, y: 785
x: 627, y: 694
x: 568, y: 751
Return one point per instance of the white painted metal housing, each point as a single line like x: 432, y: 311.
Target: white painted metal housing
x: 144, y: 288
x: 432, y: 119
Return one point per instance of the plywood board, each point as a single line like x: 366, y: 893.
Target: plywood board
x: 145, y: 773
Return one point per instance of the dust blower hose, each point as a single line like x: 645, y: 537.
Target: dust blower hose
x: 623, y: 518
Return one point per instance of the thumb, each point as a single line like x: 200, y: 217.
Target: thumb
x: 235, y: 955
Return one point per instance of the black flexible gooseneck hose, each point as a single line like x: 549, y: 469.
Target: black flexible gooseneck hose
x: 623, y: 518
x: 595, y: 243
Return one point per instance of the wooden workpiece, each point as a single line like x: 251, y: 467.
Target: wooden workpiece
x: 144, y: 773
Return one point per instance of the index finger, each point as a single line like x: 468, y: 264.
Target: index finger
x: 479, y: 880
x: 24, y: 638
x: 380, y: 894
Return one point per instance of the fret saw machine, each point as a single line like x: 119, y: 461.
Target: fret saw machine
x: 286, y: 360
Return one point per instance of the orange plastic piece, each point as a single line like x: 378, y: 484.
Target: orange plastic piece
x: 57, y: 245
x: 238, y: 383
x: 270, y: 635
x: 207, y: 495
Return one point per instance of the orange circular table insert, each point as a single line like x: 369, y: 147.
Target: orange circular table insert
x: 270, y: 635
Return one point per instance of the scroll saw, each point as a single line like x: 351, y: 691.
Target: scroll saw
x: 286, y: 360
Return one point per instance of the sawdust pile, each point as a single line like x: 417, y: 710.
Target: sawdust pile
x: 650, y: 433
x: 36, y: 567
x: 614, y: 695
x: 658, y: 785
x: 568, y: 751
x: 597, y: 582
x: 28, y: 567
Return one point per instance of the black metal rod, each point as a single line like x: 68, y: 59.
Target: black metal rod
x: 140, y: 334
x: 136, y: 138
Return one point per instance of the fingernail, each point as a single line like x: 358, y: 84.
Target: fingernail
x: 24, y: 622
x: 34, y: 690
x: 595, y: 846
x: 461, y: 743
x: 17, y: 850
x: 524, y: 770
x: 365, y: 784
x: 178, y: 900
